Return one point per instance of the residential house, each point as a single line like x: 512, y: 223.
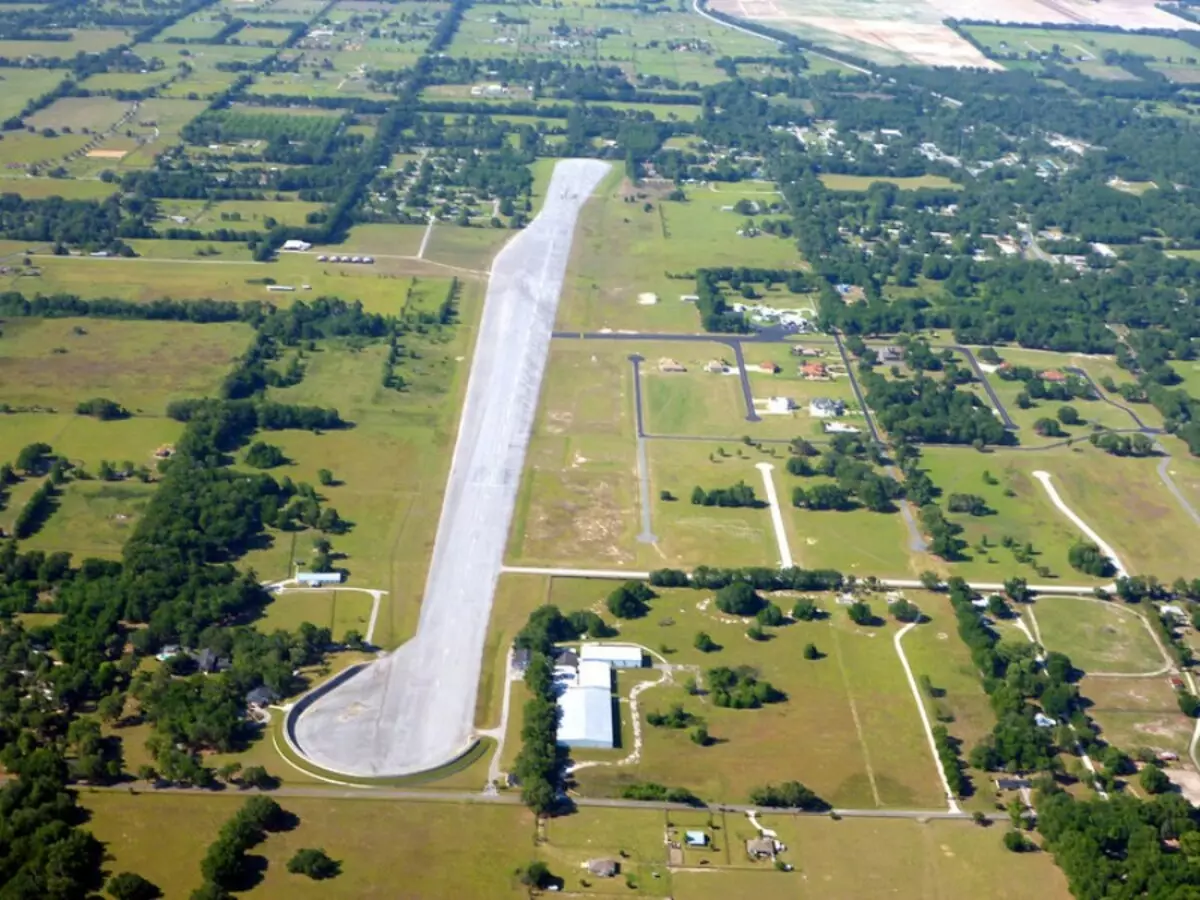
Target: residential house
x: 801, y: 350
x: 666, y: 364
x: 824, y: 408
x: 619, y: 656
x: 780, y: 405
x: 294, y: 246
x: 1054, y: 375
x: 1041, y: 720
x: 841, y: 428
x: 261, y: 696
x: 814, y: 370
x: 521, y: 657
x: 890, y: 354
x: 1012, y: 784
x: 769, y: 367
x: 716, y: 366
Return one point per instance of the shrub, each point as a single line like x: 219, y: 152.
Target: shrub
x: 739, y: 599
x: 314, y: 863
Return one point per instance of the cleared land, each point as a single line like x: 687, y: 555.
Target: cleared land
x: 56, y: 363
x: 1138, y: 712
x: 411, y: 711
x: 1099, y: 637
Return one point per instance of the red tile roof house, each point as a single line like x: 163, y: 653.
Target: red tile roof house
x: 768, y: 367
x: 1054, y: 375
x: 814, y: 370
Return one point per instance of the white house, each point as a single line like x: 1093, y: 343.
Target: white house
x: 824, y: 408
x: 295, y: 246
x: 780, y: 405
x: 840, y: 428
x: 619, y: 656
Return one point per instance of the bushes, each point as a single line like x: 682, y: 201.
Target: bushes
x: 789, y: 795
x: 630, y: 601
x: 739, y: 495
x: 1086, y: 557
x: 740, y: 688
x: 101, y: 408
x: 314, y: 863
x: 262, y: 455
x: 35, y: 511
x: 537, y: 763
x: 224, y: 864
x: 652, y: 791
x: 952, y: 764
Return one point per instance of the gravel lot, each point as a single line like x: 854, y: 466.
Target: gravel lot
x: 415, y: 709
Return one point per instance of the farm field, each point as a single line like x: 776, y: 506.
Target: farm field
x: 1080, y: 46
x: 849, y: 727
x: 1098, y: 636
x: 92, y: 519
x: 68, y: 189
x: 86, y: 441
x: 236, y: 214
x: 79, y: 114
x: 22, y: 85
x: 57, y: 363
x: 85, y: 40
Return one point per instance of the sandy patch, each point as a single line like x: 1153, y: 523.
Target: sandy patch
x: 108, y: 154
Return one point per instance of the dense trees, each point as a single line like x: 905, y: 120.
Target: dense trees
x: 789, y: 795
x: 313, y: 862
x: 738, y: 495
x: 1086, y: 557
x: 740, y: 688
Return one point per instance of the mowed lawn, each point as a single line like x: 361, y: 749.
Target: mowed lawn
x: 387, y: 849
x: 849, y: 729
x: 91, y: 518
x: 339, y: 611
x: 1098, y: 636
x: 56, y: 363
x: 390, y: 468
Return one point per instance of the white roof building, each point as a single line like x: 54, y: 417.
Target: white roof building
x: 594, y: 673
x: 296, y: 246
x: 780, y: 405
x: 620, y: 656
x: 824, y: 408
x: 586, y: 717
x: 319, y: 577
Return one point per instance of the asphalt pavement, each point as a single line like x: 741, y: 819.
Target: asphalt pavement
x: 415, y: 709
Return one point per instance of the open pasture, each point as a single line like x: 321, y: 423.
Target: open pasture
x: 80, y: 114
x: 857, y: 542
x: 259, y: 36
x: 1081, y: 46
x: 67, y: 188
x: 22, y: 85
x: 437, y: 853
x: 92, y: 518
x: 210, y: 215
x: 57, y: 363
x: 862, y: 182
x: 849, y: 728
x: 199, y: 26
x: 86, y: 441
x: 1100, y: 637
x: 82, y: 40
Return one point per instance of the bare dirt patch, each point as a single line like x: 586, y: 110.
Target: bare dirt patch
x: 108, y: 154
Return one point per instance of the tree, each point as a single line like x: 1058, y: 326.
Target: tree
x: 257, y: 777
x: 626, y: 602
x: 1017, y: 842
x: 789, y: 795
x: 704, y: 643
x: 904, y: 611
x: 314, y: 863
x: 860, y: 613
x: 536, y: 875
x: 1086, y: 557
x: 805, y: 610
x: 1069, y: 415
x: 325, y: 477
x: 699, y: 495
x: 931, y: 581
x: 739, y: 599
x: 130, y: 886
x: 262, y: 455
x: 700, y: 736
x: 811, y: 652
x: 1154, y: 780
x: 770, y: 615
x: 1048, y: 427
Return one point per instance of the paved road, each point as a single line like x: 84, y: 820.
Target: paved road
x: 513, y: 798
x: 1103, y: 397
x: 643, y: 464
x: 987, y: 386
x: 862, y: 400
x: 415, y: 709
x: 1171, y: 486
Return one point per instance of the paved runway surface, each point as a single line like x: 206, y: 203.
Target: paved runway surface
x: 415, y: 709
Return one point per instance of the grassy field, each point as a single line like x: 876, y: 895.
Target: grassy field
x: 22, y: 85
x: 68, y: 189
x: 1110, y: 494
x: 466, y: 248
x: 380, y: 287
x: 79, y: 113
x: 57, y: 363
x: 241, y: 214
x: 1138, y: 712
x: 390, y: 467
x: 92, y: 518
x: 862, y: 182
x: 669, y: 239
x: 339, y: 611
x: 1101, y: 637
x: 578, y: 499
x: 1081, y: 46
x: 848, y: 729
x: 85, y: 440
x: 858, y: 542
x: 373, y: 840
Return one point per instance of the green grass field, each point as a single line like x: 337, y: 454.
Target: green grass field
x: 381, y: 287
x: 339, y: 611
x: 849, y: 729
x: 78, y: 113
x: 1138, y: 712
x: 239, y: 214
x: 68, y: 189
x: 92, y: 518
x: 57, y: 363
x: 374, y: 841
x: 1081, y: 46
x: 85, y: 440
x: 1101, y: 637
x: 21, y: 86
